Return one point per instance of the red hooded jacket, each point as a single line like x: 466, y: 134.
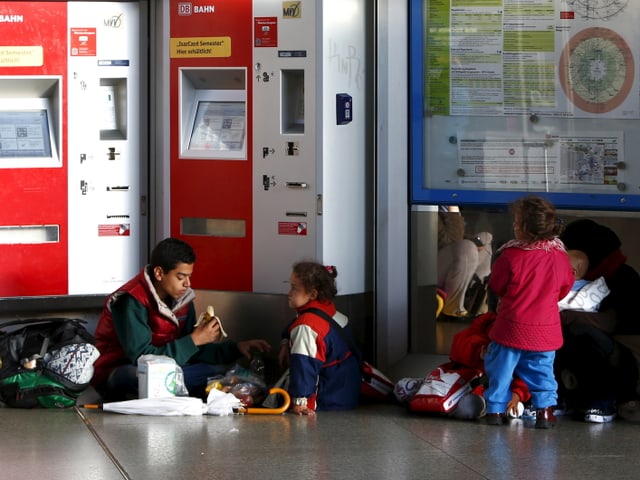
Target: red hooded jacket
x: 165, y: 327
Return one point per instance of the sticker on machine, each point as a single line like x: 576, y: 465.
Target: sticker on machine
x: 83, y: 42
x: 266, y: 31
x: 292, y: 228
x: 114, y: 230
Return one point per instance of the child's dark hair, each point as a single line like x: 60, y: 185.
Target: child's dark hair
x: 314, y: 275
x: 538, y: 220
x: 169, y: 252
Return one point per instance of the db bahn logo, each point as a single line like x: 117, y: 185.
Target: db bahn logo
x: 187, y: 8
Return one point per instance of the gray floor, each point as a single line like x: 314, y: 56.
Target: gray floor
x: 372, y: 442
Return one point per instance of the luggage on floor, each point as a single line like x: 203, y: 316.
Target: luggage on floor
x: 45, y: 362
x: 443, y: 388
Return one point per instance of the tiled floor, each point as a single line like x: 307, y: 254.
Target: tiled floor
x: 372, y: 442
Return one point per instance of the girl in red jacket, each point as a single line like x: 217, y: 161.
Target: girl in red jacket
x: 531, y: 274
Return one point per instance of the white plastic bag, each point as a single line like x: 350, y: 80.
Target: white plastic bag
x: 221, y: 403
x: 159, y: 376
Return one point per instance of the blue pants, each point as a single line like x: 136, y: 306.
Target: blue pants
x: 534, y: 368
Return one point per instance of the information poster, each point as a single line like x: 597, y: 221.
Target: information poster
x: 537, y: 96
x: 573, y: 59
x: 544, y: 164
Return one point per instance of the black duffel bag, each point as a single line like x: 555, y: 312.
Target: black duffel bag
x: 45, y: 362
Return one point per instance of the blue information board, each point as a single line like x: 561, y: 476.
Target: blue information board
x: 540, y: 101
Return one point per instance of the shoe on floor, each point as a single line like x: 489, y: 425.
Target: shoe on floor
x: 545, y: 418
x: 599, y: 415
x: 529, y: 412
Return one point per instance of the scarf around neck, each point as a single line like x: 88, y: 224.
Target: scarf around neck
x: 546, y: 245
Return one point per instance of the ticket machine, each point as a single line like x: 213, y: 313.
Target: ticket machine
x: 267, y: 155
x: 211, y: 138
x: 259, y: 157
x: 32, y: 150
x: 72, y: 153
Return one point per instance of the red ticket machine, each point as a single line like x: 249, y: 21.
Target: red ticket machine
x: 71, y: 146
x: 33, y: 147
x: 211, y: 138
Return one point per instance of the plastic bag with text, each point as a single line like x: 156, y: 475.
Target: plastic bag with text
x: 443, y: 388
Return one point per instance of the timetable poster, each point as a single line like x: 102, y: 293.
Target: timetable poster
x: 589, y: 161
x: 566, y: 59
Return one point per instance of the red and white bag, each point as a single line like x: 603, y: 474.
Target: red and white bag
x: 443, y: 388
x: 375, y: 384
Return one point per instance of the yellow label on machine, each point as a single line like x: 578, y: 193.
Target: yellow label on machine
x: 200, y: 47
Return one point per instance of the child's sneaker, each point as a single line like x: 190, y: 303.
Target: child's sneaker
x: 529, y: 413
x: 561, y: 410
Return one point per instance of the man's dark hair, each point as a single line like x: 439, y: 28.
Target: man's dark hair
x: 169, y: 253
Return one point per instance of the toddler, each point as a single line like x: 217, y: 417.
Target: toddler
x: 324, y: 372
x: 530, y: 276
